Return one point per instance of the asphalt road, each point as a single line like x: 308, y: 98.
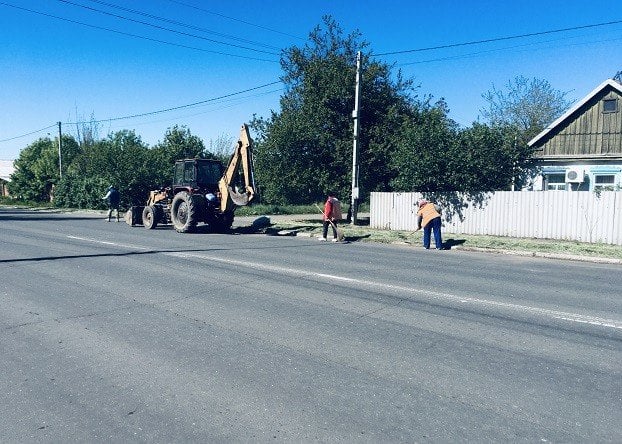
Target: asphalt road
x: 116, y: 334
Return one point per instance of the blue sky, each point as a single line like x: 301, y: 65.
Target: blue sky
x: 63, y: 70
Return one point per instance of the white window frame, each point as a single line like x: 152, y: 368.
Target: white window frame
x: 604, y: 185
x: 555, y: 186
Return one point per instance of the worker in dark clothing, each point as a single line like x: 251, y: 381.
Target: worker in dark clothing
x: 113, y: 197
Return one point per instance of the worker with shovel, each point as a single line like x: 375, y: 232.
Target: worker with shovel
x: 331, y: 215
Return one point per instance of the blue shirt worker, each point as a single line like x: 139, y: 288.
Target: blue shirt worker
x: 113, y: 197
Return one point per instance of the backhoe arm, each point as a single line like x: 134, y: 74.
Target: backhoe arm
x: 242, y: 154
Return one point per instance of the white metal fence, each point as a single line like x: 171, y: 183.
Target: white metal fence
x: 580, y: 216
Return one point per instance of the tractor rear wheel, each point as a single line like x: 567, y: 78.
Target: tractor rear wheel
x: 150, y: 217
x: 184, y: 212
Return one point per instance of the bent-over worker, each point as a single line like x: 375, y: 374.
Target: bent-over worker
x: 430, y: 219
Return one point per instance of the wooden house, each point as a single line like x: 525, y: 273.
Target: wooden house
x: 6, y: 169
x: 582, y: 150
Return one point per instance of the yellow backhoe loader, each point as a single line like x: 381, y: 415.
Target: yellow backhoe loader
x: 203, y: 190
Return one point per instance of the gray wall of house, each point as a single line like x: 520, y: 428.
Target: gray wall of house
x: 595, y: 129
x: 580, y: 216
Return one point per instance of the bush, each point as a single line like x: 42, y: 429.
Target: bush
x: 81, y: 192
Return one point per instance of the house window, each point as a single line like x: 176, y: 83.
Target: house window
x: 604, y: 181
x: 610, y: 105
x: 556, y: 182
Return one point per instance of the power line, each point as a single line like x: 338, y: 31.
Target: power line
x: 27, y: 134
x: 151, y: 113
x: 164, y: 28
x: 498, y: 39
x: 235, y: 19
x: 211, y: 110
x: 112, y: 119
x: 185, y: 25
x: 487, y: 51
x: 135, y: 35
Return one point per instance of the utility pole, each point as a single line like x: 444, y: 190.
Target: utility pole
x: 514, y: 165
x: 60, y: 151
x: 355, y: 149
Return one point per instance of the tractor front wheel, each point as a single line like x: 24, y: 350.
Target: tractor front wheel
x: 150, y: 217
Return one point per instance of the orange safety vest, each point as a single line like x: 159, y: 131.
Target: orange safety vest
x: 427, y: 212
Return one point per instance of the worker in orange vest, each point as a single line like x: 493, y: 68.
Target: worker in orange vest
x: 429, y: 217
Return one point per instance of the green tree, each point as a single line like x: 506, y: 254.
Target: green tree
x: 306, y: 149
x: 489, y: 159
x: 122, y: 159
x: 37, y: 168
x: 78, y: 191
x: 528, y: 105
x: 424, y: 157
x: 434, y: 155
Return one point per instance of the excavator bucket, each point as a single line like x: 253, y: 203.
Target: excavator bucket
x: 240, y: 199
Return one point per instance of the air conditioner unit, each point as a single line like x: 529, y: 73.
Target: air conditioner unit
x: 575, y: 175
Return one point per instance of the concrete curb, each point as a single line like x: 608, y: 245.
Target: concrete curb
x: 560, y: 256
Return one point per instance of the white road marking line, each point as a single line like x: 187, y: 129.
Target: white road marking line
x: 113, y: 244
x: 555, y: 314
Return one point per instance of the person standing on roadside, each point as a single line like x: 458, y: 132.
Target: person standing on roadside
x: 429, y: 217
x: 113, y: 197
x: 331, y: 215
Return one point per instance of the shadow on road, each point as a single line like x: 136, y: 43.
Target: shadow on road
x: 26, y: 215
x: 147, y: 252
x: 449, y: 243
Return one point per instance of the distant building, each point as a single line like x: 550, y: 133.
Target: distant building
x: 582, y: 150
x: 6, y: 169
